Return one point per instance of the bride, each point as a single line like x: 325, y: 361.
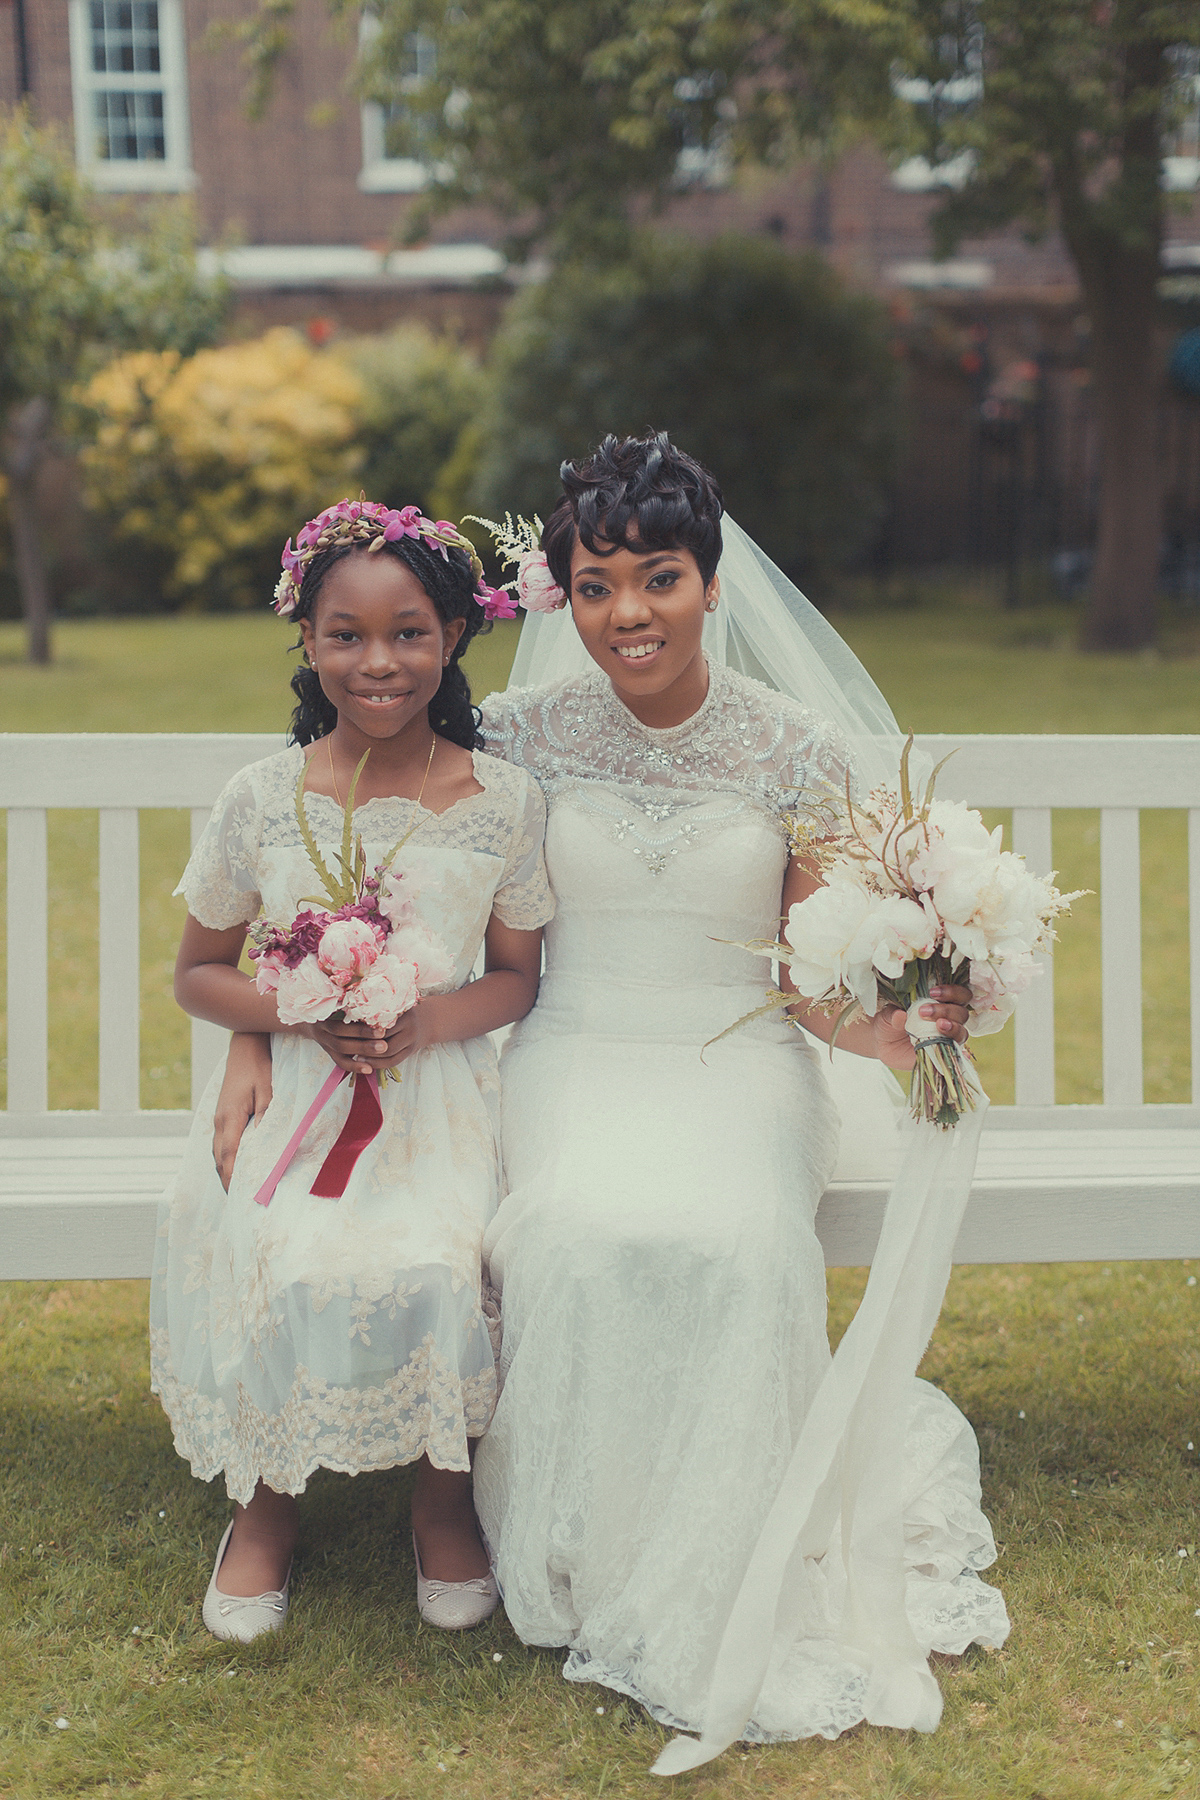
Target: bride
x: 663, y: 1290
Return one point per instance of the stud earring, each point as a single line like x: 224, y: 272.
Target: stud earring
x: 711, y: 606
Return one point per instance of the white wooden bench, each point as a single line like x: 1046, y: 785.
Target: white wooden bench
x: 1121, y: 1180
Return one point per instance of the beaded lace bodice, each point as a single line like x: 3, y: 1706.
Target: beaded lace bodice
x: 656, y: 790
x: 746, y: 739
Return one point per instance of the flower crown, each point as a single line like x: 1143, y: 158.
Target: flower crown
x: 364, y: 521
x: 519, y: 541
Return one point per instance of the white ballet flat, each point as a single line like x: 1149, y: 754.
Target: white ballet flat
x: 242, y: 1617
x: 455, y: 1605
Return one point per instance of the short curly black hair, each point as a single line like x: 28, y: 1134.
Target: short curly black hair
x: 635, y: 493
x: 450, y: 584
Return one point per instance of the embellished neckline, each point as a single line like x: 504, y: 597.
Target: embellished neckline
x: 667, y: 735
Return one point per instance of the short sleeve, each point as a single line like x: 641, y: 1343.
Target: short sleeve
x: 817, y: 761
x: 220, y: 883
x: 497, y: 727
x: 523, y: 899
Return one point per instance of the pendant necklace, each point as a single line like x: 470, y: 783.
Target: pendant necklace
x: 333, y: 773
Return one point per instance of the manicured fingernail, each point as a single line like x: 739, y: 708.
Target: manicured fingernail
x: 927, y: 1012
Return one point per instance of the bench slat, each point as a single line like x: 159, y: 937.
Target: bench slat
x: 208, y: 1041
x: 28, y: 954
x: 98, y: 1235
x: 1033, y: 1021
x: 178, y: 769
x: 1083, y: 771
x: 1121, y: 955
x: 120, y: 984
x: 124, y: 768
x: 1194, y: 942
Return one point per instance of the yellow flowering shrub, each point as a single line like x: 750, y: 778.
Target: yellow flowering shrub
x: 213, y: 460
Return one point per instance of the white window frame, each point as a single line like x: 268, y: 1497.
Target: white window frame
x: 381, y: 173
x: 916, y: 174
x: 1181, y: 152
x: 174, y: 174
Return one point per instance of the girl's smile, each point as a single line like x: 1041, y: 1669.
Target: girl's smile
x: 379, y: 647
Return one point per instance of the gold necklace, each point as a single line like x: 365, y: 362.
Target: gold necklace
x: 333, y: 773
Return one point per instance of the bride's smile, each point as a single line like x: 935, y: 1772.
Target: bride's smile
x: 640, y: 614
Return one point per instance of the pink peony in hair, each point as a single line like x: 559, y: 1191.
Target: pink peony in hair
x: 537, y: 589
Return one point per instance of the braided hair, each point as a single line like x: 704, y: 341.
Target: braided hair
x: 450, y: 585
x: 635, y: 494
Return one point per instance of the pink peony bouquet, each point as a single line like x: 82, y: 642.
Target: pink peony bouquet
x: 915, y: 896
x: 366, y: 957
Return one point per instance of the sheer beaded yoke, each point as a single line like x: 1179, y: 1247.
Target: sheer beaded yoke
x: 745, y: 740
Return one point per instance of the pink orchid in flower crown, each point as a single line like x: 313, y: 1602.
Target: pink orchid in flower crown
x: 497, y: 603
x: 371, y: 524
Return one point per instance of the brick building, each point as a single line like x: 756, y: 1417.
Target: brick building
x: 305, y: 208
x: 153, y: 95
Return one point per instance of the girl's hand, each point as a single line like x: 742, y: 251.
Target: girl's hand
x: 245, y: 1094
x: 948, y: 1005
x: 360, y: 1048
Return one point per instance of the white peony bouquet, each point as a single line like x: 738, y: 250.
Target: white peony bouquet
x: 916, y: 895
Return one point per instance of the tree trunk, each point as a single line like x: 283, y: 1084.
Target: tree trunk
x: 24, y: 448
x: 1120, y: 290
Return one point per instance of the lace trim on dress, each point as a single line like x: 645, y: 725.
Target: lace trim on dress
x: 428, y: 1407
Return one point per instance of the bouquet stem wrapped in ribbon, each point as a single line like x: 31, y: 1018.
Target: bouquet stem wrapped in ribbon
x: 365, y: 956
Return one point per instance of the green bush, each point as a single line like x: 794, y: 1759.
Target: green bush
x: 757, y: 361
x: 197, y: 468
x: 421, y: 394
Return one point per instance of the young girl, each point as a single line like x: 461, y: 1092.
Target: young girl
x: 350, y: 1333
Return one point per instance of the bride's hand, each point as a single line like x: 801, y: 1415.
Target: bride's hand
x: 245, y: 1094
x: 948, y: 1005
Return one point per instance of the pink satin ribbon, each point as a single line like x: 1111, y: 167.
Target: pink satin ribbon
x: 331, y: 1083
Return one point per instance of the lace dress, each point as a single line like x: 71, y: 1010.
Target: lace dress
x: 343, y: 1334
x: 663, y: 1290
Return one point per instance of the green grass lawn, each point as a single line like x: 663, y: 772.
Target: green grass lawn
x: 1081, y: 1382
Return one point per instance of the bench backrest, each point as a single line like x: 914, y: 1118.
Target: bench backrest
x: 118, y: 773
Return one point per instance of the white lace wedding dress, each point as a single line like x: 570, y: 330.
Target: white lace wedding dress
x: 663, y: 1291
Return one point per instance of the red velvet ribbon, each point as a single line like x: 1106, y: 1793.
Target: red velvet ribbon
x: 362, y: 1124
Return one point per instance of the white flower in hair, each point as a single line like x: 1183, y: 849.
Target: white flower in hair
x: 519, y: 543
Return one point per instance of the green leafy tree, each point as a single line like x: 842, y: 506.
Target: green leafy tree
x: 1079, y: 101
x: 757, y: 360
x: 564, y: 114
x: 70, y: 293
